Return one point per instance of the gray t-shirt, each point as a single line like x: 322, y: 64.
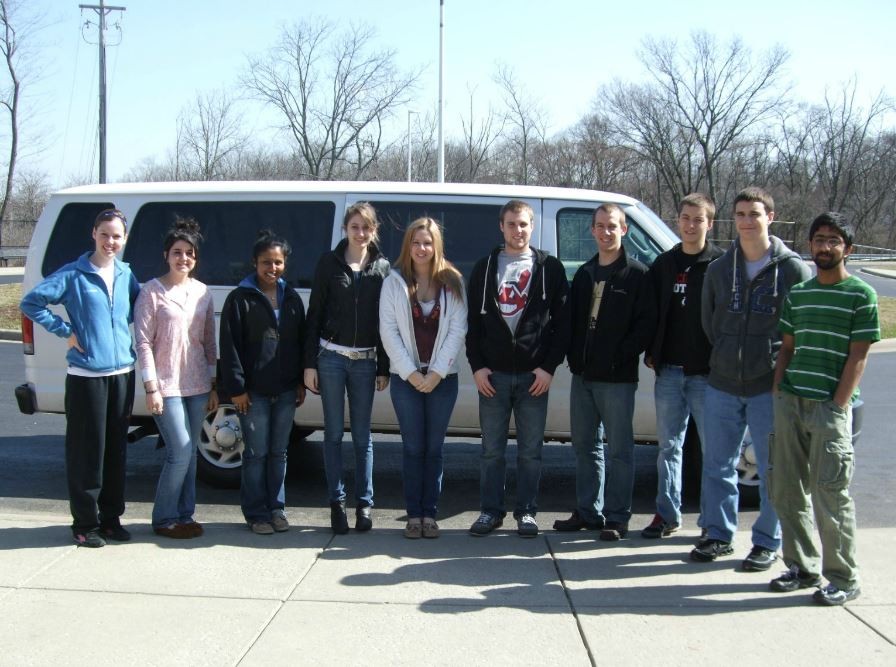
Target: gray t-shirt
x: 514, y: 280
x: 753, y: 268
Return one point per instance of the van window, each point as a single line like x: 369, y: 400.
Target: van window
x: 471, y: 230
x: 71, y: 235
x: 576, y: 245
x: 229, y: 229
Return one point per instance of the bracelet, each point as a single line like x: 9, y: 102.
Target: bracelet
x: 148, y: 391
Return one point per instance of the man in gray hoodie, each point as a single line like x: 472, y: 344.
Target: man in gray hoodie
x: 743, y: 293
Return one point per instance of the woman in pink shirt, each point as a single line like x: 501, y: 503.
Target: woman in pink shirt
x: 174, y: 321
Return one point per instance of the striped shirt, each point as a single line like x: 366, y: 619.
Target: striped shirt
x: 824, y: 320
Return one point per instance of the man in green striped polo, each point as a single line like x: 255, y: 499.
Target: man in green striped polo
x: 827, y: 327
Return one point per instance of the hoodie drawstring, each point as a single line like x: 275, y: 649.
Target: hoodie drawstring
x: 485, y: 283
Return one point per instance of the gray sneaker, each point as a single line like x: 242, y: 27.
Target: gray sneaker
x: 832, y: 596
x: 261, y: 528
x: 485, y: 524
x: 526, y: 526
x: 279, y: 523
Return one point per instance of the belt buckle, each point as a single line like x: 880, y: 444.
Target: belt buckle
x: 354, y: 355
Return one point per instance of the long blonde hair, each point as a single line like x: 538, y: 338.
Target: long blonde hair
x: 441, y: 271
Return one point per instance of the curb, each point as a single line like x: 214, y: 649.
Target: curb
x: 880, y: 273
x: 10, y: 334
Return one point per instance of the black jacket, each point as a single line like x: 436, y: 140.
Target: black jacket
x: 259, y: 354
x: 342, y: 312
x: 663, y: 275
x: 542, y: 333
x: 625, y: 322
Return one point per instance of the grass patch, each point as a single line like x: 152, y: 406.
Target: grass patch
x: 10, y: 295
x: 886, y: 306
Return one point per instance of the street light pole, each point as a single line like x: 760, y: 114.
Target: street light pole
x: 410, y: 111
x: 441, y: 90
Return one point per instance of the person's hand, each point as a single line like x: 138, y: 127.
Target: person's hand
x: 212, y: 404
x: 648, y: 361
x: 382, y: 381
x: 311, y: 380
x: 430, y: 381
x: 154, y: 403
x: 241, y: 403
x: 300, y: 395
x: 542, y: 382
x: 415, y: 379
x: 73, y: 343
x: 483, y: 382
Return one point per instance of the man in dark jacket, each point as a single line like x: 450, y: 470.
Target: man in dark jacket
x: 743, y: 293
x: 679, y: 354
x: 613, y: 318
x: 518, y: 330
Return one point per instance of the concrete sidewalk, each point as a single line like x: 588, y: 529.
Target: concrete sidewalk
x: 308, y: 597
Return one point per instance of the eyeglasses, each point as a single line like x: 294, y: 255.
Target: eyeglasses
x: 829, y: 241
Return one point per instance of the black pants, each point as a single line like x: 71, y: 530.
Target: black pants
x: 97, y: 413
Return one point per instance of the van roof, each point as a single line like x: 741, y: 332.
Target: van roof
x: 365, y: 187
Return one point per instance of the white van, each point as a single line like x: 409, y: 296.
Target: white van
x: 309, y: 215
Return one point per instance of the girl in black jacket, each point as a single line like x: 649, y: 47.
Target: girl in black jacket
x: 262, y: 334
x: 343, y: 355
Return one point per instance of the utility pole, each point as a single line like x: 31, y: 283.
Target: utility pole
x: 102, y: 10
x: 441, y: 168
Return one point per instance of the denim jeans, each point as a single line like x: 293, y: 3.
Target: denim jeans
x: 602, y: 491
x: 726, y: 419
x: 423, y: 420
x: 180, y: 425
x: 529, y: 413
x: 677, y: 397
x: 811, y: 465
x: 337, y: 376
x: 266, y: 428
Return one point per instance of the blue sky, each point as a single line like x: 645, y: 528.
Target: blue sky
x: 562, y: 51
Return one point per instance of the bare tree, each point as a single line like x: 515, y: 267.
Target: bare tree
x: 333, y: 91
x: 524, y: 116
x: 210, y: 134
x: 480, y: 132
x: 15, y: 28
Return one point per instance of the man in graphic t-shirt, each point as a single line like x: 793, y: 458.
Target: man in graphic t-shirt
x: 517, y: 335
x: 679, y: 354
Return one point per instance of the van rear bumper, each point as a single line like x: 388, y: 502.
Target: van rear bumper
x: 26, y: 399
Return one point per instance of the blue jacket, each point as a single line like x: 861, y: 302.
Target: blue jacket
x: 102, y: 328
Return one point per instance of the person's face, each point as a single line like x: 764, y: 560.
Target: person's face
x: 693, y: 225
x: 752, y: 220
x: 517, y: 229
x: 109, y: 237
x: 269, y: 266
x: 359, y: 232
x: 608, y: 230
x: 422, y: 249
x: 828, y: 248
x: 181, y: 258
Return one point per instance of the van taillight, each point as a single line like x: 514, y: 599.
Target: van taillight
x: 27, y: 335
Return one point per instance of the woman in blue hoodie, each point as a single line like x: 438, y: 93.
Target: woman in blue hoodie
x: 98, y: 293
x: 262, y: 333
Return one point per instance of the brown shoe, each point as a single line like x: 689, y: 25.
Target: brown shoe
x: 195, y: 527
x: 177, y: 531
x: 430, y: 527
x: 413, y: 529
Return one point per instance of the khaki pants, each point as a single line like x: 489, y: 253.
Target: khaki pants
x: 810, y: 467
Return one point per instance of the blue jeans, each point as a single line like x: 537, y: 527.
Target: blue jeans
x: 677, y: 396
x: 423, y: 420
x: 180, y: 425
x: 337, y: 376
x: 601, y: 492
x: 529, y: 413
x: 266, y: 428
x: 726, y: 421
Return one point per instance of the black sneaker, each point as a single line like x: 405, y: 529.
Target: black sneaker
x: 659, y: 527
x: 338, y: 520
x: 363, y: 520
x: 485, y: 524
x: 526, y: 526
x: 793, y: 580
x: 711, y: 549
x: 759, y: 559
x: 613, y: 531
x: 91, y: 539
x: 576, y: 522
x: 832, y: 596
x: 115, y: 532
